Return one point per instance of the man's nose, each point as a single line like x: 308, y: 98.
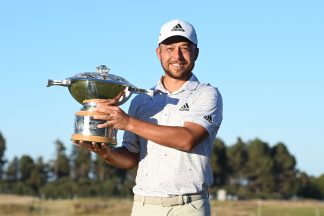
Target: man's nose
x: 177, y: 54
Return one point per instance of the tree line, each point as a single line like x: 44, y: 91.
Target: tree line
x: 251, y: 169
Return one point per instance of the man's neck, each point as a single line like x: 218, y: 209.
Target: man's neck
x: 172, y: 84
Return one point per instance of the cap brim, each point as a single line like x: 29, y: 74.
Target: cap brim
x: 175, y: 39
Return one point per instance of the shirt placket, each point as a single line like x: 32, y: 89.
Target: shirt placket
x: 165, y: 111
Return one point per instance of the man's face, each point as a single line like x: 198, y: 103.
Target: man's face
x: 177, y: 57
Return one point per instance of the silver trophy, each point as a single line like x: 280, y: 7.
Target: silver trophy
x: 84, y: 87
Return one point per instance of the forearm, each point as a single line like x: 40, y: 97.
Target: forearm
x: 183, y: 137
x: 121, y: 158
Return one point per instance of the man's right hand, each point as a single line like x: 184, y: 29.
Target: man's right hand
x: 118, y: 157
x: 102, y: 149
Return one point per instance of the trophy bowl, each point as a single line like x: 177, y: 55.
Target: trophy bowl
x: 87, y: 86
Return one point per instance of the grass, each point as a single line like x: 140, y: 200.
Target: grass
x: 268, y: 208
x: 29, y: 206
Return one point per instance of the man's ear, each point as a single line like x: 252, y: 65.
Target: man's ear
x: 196, y: 53
x: 158, y: 52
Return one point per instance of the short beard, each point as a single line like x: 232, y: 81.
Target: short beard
x: 184, y: 76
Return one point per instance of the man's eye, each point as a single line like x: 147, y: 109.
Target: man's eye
x: 185, y: 49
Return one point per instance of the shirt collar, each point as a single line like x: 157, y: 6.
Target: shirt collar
x: 190, y: 85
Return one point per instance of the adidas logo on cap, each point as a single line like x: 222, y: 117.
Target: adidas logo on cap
x: 178, y: 27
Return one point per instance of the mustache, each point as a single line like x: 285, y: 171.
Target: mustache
x: 178, y: 62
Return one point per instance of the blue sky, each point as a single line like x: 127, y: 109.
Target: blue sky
x: 266, y: 58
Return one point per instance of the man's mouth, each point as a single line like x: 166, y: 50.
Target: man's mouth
x: 177, y: 64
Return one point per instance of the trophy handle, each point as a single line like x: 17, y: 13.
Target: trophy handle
x: 136, y: 90
x: 58, y: 82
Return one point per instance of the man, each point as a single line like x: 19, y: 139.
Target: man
x: 169, y: 135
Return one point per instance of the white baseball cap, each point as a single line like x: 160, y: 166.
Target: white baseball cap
x: 178, y: 27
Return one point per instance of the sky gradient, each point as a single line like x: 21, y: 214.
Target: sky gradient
x: 266, y: 58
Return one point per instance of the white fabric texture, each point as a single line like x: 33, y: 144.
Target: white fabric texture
x: 164, y: 171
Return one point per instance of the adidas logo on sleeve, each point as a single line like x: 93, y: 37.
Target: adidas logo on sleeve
x: 209, y: 119
x: 185, y: 107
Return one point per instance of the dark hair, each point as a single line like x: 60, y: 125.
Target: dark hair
x: 175, y: 39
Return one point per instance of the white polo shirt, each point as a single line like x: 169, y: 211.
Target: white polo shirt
x: 164, y: 171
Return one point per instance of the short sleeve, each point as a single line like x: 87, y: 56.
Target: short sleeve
x: 131, y: 140
x: 206, y: 108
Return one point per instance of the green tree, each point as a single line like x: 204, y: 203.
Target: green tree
x: 128, y: 183
x: 259, y: 169
x: 307, y: 187
x: 39, y: 175
x: 26, y: 165
x: 237, y: 156
x: 219, y: 163
x: 284, y: 171
x: 319, y: 184
x: 115, y: 181
x: 12, y: 173
x: 63, y: 188
x: 81, y: 163
x: 61, y: 163
x: 2, y: 151
x: 101, y: 169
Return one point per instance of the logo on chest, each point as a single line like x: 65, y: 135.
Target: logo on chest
x: 185, y: 107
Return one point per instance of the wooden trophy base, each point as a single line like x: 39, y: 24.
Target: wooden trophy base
x: 97, y: 139
x: 85, y: 124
